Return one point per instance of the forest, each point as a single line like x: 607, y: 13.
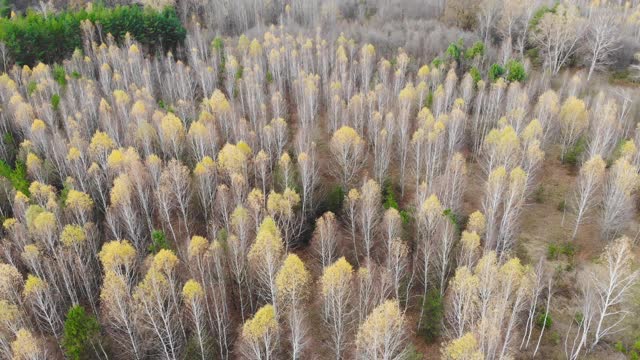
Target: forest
x: 319, y: 179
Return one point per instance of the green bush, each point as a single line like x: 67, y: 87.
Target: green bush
x: 573, y: 154
x: 55, y: 102
x: 476, y: 50
x: 475, y: 74
x: 495, y: 72
x: 432, y: 311
x: 80, y: 329
x: 554, y: 250
x: 5, y: 8
x: 436, y: 62
x: 158, y: 241
x: 32, y: 37
x: 455, y: 50
x: 59, y: 75
x: 515, y: 71
x: 544, y: 321
x: 16, y: 176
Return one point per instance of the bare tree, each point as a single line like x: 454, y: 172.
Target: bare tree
x: 602, y: 38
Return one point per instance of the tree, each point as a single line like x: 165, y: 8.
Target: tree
x: 336, y: 283
x: 27, y: 347
x: 619, y: 189
x: 462, y: 348
x: 383, y: 333
x: 325, y: 238
x: 292, y: 282
x: 369, y: 214
x: 602, y: 38
x: 260, y: 334
x: 612, y: 281
x: 155, y: 298
x: 194, y: 300
x: 265, y: 256
x: 574, y: 120
x: 463, y: 302
x: 432, y: 311
x: 41, y: 296
x: 590, y: 180
x: 348, y: 150
x: 557, y: 35
x: 80, y: 332
x: 604, y: 296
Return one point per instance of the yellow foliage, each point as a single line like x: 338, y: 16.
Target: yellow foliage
x: 338, y: 274
x: 73, y: 154
x: 573, y: 114
x: 268, y: 242
x: 192, y: 290
x: 8, y: 223
x: 79, y: 200
x: 197, y: 246
x: 232, y: 158
x: 464, y: 348
x: 38, y: 125
x: 72, y: 235
x: 171, y: 126
x: 43, y: 223
x: 262, y: 323
x: 33, y: 285
x: 477, y: 222
x: 9, y: 314
x: 384, y: 321
x: 115, y: 254
x: 10, y: 280
x: 165, y: 260
x: 470, y: 240
x: 431, y: 206
x: 34, y: 163
x: 30, y: 252
x: 101, y: 143
x: 25, y: 346
x: 345, y: 136
x: 293, y: 280
x: 121, y: 190
x: 218, y: 103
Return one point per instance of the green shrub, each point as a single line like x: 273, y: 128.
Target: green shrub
x: 428, y: 102
x: 455, y: 50
x: 515, y: 71
x: 552, y: 251
x: 33, y: 37
x: 158, y: 241
x: 5, y: 8
x: 540, y: 12
x: 389, y: 201
x: 495, y: 72
x: 59, y: 75
x: 432, y: 312
x: 544, y: 321
x: 16, y: 176
x: 475, y: 74
x: 476, y: 50
x: 55, y: 102
x: 411, y: 353
x: 80, y: 329
x: 436, y: 62
x: 573, y: 154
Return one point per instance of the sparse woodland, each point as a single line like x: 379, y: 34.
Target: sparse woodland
x: 307, y: 179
